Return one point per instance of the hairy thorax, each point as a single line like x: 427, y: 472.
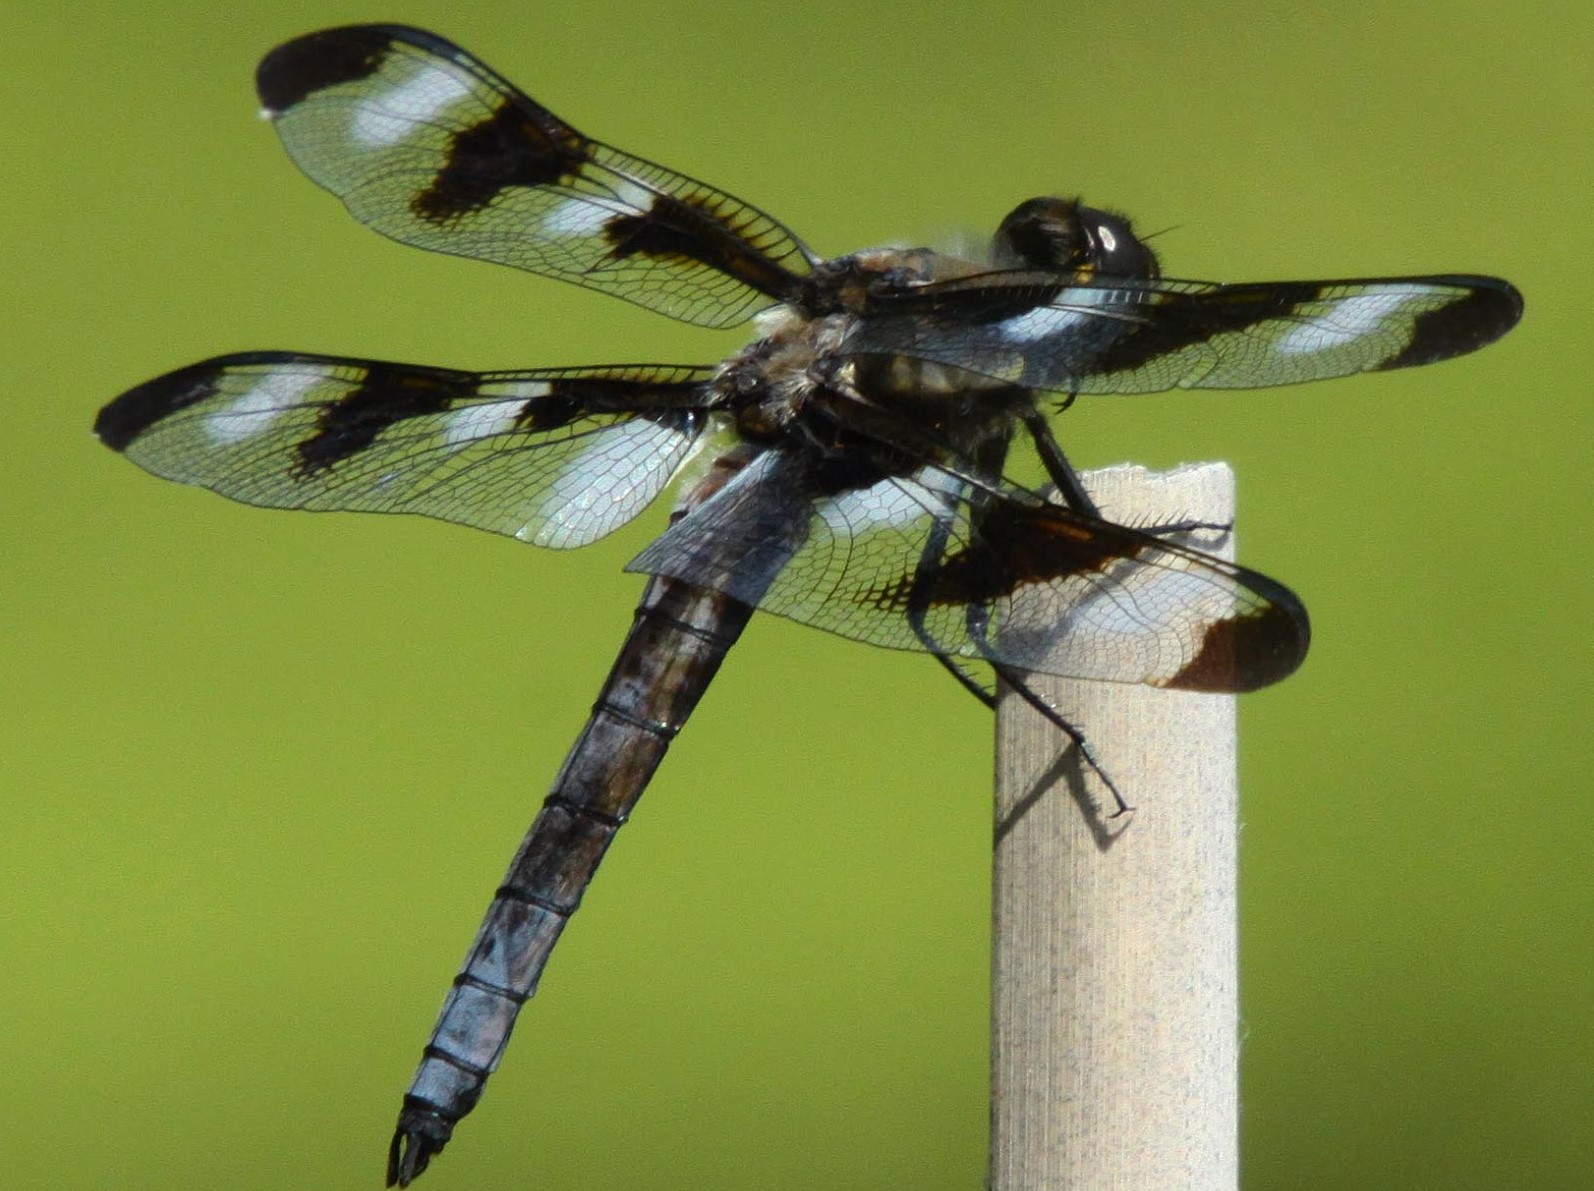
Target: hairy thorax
x: 800, y: 376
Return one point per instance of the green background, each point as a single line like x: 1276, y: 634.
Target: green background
x: 261, y: 771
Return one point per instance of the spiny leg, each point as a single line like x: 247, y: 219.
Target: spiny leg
x: 1061, y: 472
x: 1018, y: 683
x: 1072, y: 490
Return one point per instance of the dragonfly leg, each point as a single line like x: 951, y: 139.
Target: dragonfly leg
x: 1019, y: 684
x: 1061, y: 472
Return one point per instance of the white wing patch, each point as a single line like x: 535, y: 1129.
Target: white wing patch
x: 254, y: 411
x: 388, y: 118
x: 1094, y: 625
x: 1349, y: 320
x: 598, y: 489
x: 894, y: 502
x: 483, y: 421
x: 586, y: 216
x: 1040, y: 323
x: 1069, y: 310
x: 575, y: 218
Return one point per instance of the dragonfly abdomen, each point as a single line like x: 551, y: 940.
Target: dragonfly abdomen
x: 677, y: 641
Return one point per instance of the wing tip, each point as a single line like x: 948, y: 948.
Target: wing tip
x: 1253, y: 649
x: 1485, y: 311
x: 123, y: 419
x: 296, y: 69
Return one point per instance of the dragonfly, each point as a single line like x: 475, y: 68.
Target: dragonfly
x: 849, y: 468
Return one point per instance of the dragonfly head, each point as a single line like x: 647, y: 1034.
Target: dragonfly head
x: 1065, y: 236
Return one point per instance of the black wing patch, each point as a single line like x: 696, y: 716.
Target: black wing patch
x: 554, y: 457
x: 430, y: 147
x: 919, y: 562
x: 1144, y: 336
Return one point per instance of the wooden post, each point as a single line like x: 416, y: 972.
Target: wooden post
x: 1114, y: 1047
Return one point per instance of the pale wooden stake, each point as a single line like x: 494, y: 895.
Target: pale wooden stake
x: 1114, y: 1047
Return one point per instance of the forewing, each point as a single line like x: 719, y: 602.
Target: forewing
x: 557, y: 457
x: 1148, y: 336
x: 913, y: 562
x: 430, y: 147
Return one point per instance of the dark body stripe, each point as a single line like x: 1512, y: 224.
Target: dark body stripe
x: 674, y: 649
